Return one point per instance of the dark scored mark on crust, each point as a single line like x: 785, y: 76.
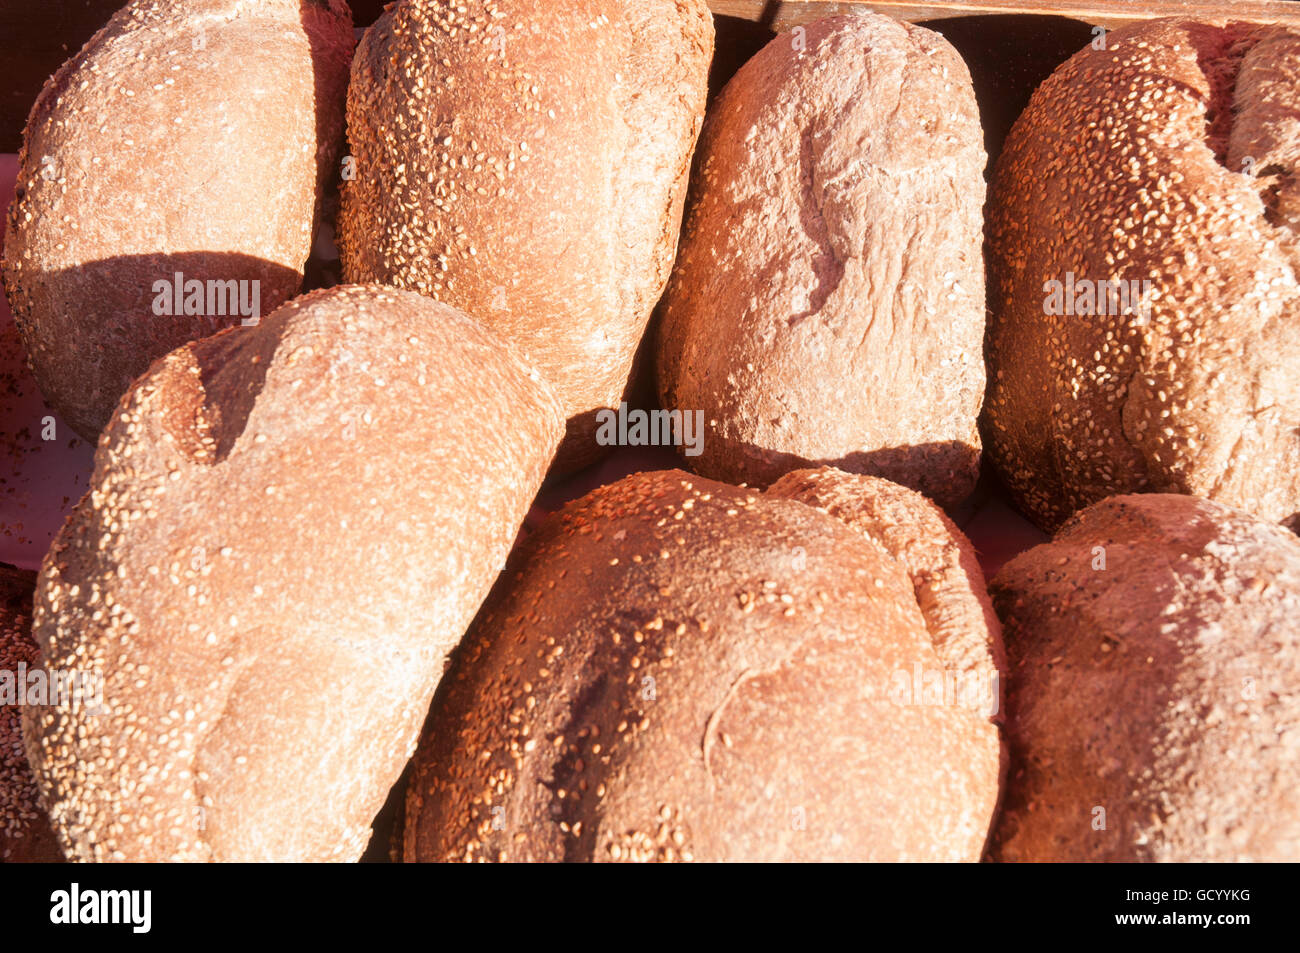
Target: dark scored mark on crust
x: 1274, y: 181
x: 711, y: 732
x: 212, y: 395
x: 828, y: 266
x: 567, y: 771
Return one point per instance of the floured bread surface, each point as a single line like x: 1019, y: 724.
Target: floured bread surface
x: 288, y: 529
x: 673, y: 669
x: 1153, y: 687
x: 827, y: 305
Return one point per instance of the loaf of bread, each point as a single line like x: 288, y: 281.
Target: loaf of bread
x: 288, y: 529
x: 1153, y: 703
x: 677, y: 669
x: 25, y: 834
x: 170, y: 173
x: 527, y: 163
x: 828, y: 302
x: 1143, y: 254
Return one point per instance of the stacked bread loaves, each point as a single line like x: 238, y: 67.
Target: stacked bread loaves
x: 527, y: 162
x: 297, y: 523
x: 1143, y: 247
x: 281, y: 544
x: 828, y: 302
x: 677, y: 669
x: 168, y: 187
x: 1154, y: 667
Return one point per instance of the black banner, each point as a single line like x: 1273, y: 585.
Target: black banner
x: 926, y: 903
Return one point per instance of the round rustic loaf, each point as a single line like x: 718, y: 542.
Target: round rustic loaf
x: 186, y: 139
x: 677, y: 669
x: 287, y: 531
x: 1153, y: 700
x: 527, y: 163
x: 25, y: 835
x: 1143, y: 254
x: 828, y: 302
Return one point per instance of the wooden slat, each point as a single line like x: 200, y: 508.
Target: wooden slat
x: 787, y: 14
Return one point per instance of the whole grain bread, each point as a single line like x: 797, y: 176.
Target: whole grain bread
x: 941, y: 562
x: 187, y: 136
x: 1154, y: 687
x: 677, y: 669
x: 828, y: 302
x: 1165, y: 161
x: 288, y: 529
x: 25, y: 834
x: 527, y: 163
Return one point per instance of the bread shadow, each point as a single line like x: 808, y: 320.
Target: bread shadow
x: 329, y: 105
x: 128, y: 311
x: 213, y: 387
x: 945, y: 471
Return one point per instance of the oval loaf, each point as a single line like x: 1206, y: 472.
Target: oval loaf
x: 677, y: 669
x: 188, y: 138
x: 828, y: 302
x: 287, y: 531
x: 1143, y: 253
x: 1154, y: 687
x: 527, y: 163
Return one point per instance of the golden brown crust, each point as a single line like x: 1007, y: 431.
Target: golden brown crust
x: 828, y: 302
x: 1153, y: 693
x: 160, y: 148
x: 935, y: 554
x: 1168, y: 157
x: 676, y: 669
x: 25, y: 834
x: 527, y: 163
x: 288, y: 529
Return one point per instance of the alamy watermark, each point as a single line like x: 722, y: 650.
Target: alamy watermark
x: 211, y: 298
x: 946, y: 688
x: 1084, y: 296
x: 66, y: 688
x: 76, y: 905
x: 651, y: 428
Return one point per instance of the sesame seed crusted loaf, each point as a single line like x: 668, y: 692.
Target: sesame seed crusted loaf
x: 828, y: 302
x: 161, y: 148
x: 1168, y: 157
x: 1153, y: 702
x: 676, y: 669
x: 281, y: 544
x: 25, y: 835
x: 527, y: 162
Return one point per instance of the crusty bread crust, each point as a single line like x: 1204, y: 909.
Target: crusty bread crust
x: 828, y: 302
x: 1167, y: 157
x: 935, y: 554
x: 677, y: 669
x: 1154, y: 674
x: 25, y: 834
x: 188, y: 137
x: 527, y: 162
x: 288, y: 529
